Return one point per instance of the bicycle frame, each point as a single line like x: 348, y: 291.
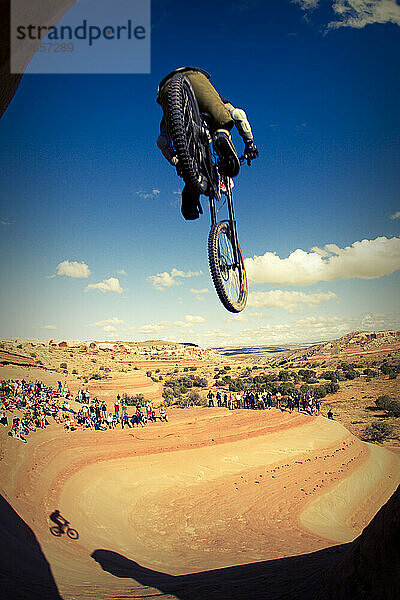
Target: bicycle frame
x: 210, y: 166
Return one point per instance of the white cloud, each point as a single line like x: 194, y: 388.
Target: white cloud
x: 199, y: 293
x: 195, y: 319
x: 145, y: 195
x: 50, y: 327
x: 165, y: 279
x: 108, y: 285
x: 73, y: 269
x: 396, y: 215
x: 122, y: 272
x: 181, y: 324
x: 238, y: 318
x: 152, y: 328
x: 368, y: 259
x: 106, y: 322
x: 306, y: 4
x: 243, y: 318
x: 109, y: 328
x: 359, y: 13
x: 287, y: 300
x: 6, y: 222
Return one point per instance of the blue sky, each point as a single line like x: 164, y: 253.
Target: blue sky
x: 92, y: 241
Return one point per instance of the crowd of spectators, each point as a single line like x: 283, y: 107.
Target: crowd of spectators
x: 34, y: 406
x: 264, y: 400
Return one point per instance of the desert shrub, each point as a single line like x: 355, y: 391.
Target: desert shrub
x: 39, y: 362
x: 329, y: 375
x: 392, y: 407
x: 63, y: 366
x: 320, y: 391
x: 157, y: 370
x: 32, y: 354
x: 95, y: 376
x: 370, y: 372
x: 194, y: 397
x: 136, y: 368
x: 332, y: 388
x: 148, y: 373
x: 74, y: 372
x: 136, y: 400
x: 287, y: 388
x: 306, y: 375
x: 2, y: 346
x: 382, y: 402
x: 377, y: 431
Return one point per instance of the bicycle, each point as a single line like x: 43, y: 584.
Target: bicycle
x: 199, y: 167
x: 59, y: 531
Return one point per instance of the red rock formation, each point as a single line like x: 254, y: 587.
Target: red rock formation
x: 370, y: 567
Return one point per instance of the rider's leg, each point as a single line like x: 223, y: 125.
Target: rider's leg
x: 221, y: 122
x: 191, y: 207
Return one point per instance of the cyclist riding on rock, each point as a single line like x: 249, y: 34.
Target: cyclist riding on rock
x: 222, y: 116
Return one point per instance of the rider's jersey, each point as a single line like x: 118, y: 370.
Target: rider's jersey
x: 179, y: 70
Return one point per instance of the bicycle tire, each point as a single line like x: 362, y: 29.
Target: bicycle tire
x: 185, y: 124
x: 56, y: 531
x: 230, y: 283
x: 72, y: 534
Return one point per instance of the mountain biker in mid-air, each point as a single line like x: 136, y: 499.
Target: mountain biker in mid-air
x: 222, y: 117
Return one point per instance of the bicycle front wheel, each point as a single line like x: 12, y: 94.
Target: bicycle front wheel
x: 56, y: 531
x: 73, y: 534
x: 229, y: 278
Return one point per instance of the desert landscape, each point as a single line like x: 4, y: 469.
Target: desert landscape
x: 214, y: 503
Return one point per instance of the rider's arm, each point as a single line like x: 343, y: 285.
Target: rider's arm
x: 241, y: 122
x: 165, y: 144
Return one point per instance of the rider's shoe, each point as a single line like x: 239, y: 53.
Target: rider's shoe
x: 229, y: 160
x: 191, y: 207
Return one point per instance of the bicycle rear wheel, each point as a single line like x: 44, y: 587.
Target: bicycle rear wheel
x: 56, y: 531
x: 229, y: 279
x: 185, y: 128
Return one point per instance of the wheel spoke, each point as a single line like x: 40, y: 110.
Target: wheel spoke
x: 229, y: 272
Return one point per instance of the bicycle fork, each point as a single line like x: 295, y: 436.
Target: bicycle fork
x: 231, y: 221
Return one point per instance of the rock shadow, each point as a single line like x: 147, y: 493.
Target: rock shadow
x: 24, y: 571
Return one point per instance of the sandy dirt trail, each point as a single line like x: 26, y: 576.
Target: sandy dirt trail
x: 207, y: 490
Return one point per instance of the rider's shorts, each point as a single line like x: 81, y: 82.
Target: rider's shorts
x: 208, y: 99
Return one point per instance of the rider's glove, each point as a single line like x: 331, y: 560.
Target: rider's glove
x: 250, y: 150
x: 175, y: 163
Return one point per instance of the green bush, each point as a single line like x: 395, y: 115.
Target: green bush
x: 136, y: 400
x: 377, y: 431
x: 382, y: 402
